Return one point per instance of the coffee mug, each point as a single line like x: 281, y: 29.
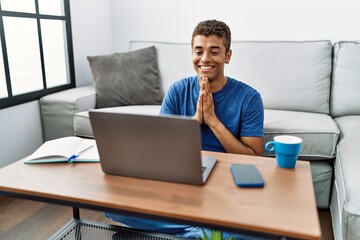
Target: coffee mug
x: 286, y: 148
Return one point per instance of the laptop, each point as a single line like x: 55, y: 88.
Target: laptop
x: 166, y: 148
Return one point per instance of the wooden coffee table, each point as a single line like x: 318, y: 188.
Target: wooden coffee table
x: 284, y: 207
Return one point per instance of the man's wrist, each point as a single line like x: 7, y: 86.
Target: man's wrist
x: 215, y: 123
x: 196, y: 117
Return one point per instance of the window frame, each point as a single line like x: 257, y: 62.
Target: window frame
x: 12, y: 100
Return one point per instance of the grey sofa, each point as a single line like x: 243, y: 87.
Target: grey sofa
x: 310, y: 89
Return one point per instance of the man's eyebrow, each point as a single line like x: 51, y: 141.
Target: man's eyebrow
x: 212, y: 47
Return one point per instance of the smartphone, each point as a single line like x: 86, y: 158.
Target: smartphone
x: 247, y: 175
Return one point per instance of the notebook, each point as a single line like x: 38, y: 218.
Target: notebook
x: 166, y: 148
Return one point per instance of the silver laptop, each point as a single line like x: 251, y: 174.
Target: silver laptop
x: 165, y: 148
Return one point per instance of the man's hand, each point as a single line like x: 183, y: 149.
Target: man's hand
x: 199, y: 106
x: 207, y: 104
x: 205, y: 110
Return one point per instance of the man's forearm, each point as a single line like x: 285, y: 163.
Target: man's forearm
x: 229, y: 142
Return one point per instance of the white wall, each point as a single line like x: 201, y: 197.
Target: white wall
x: 20, y: 126
x: 103, y: 27
x: 91, y: 31
x: 20, y: 130
x: 165, y: 20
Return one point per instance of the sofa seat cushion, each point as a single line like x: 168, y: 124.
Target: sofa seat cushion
x: 348, y: 158
x: 345, y: 203
x: 82, y: 126
x: 319, y: 132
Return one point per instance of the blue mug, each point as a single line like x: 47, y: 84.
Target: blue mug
x: 286, y: 148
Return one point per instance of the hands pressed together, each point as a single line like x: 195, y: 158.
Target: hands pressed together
x: 205, y: 109
x: 205, y: 113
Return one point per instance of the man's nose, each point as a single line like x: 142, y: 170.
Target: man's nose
x: 206, y: 57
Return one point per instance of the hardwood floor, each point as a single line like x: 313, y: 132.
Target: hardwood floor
x: 326, y: 225
x: 24, y: 219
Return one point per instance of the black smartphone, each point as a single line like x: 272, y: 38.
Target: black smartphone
x: 247, y: 175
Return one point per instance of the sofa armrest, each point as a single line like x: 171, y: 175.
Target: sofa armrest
x: 58, y: 109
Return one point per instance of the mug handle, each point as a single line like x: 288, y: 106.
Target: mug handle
x: 268, y: 148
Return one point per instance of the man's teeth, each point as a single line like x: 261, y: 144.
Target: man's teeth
x: 205, y: 67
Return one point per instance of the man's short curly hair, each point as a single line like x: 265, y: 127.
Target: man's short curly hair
x: 213, y: 27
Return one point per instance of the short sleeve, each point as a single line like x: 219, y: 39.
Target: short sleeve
x: 168, y: 106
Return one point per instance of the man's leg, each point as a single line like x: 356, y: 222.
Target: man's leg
x: 147, y: 224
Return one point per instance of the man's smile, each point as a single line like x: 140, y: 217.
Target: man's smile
x: 206, y: 67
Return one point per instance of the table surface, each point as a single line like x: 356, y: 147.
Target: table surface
x: 285, y: 206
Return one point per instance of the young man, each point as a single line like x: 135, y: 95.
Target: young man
x: 230, y: 112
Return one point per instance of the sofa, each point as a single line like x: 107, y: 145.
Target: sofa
x: 310, y: 89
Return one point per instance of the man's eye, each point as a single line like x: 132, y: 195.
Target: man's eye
x: 198, y: 53
x: 215, y: 53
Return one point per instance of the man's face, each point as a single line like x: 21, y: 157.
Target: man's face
x: 209, y: 57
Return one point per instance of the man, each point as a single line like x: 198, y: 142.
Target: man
x: 230, y: 112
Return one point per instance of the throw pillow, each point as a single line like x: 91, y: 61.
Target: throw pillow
x: 130, y: 78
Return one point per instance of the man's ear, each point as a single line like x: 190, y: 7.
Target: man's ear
x: 228, y: 56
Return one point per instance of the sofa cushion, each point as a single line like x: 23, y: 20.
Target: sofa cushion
x: 318, y: 131
x: 345, y: 97
x: 130, y: 78
x: 345, y: 203
x: 289, y: 75
x: 82, y: 126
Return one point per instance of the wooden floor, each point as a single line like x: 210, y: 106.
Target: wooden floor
x: 24, y: 219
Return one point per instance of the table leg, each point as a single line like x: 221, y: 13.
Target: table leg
x: 76, y: 213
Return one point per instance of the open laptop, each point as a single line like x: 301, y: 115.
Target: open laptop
x: 165, y: 148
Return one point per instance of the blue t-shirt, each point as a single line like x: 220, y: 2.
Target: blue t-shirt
x: 238, y: 106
